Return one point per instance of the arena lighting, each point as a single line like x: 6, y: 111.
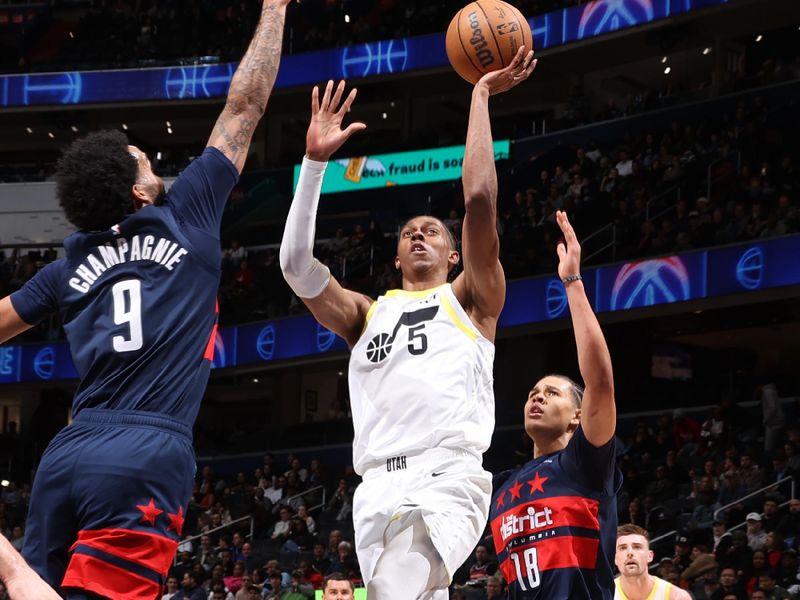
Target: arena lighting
x: 169, y: 124
x: 384, y: 116
x: 71, y: 35
x: 664, y: 59
x: 347, y: 18
x: 74, y: 129
x: 667, y: 70
x: 255, y: 379
x: 158, y: 155
x: 50, y: 135
x: 29, y: 130
x: 706, y: 51
x: 759, y: 37
x: 169, y: 130
x: 124, y: 127
x: 341, y: 373
x: 5, y: 483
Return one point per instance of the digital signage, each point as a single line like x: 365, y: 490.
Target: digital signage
x: 737, y: 269
x: 401, y: 168
x: 356, y: 61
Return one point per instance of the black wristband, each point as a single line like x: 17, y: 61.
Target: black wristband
x: 571, y: 278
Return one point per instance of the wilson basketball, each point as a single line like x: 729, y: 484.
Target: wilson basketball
x: 484, y: 36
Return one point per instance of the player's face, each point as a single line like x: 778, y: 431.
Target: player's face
x: 633, y: 555
x: 149, y: 188
x: 550, y: 408
x: 338, y: 590
x: 423, y: 246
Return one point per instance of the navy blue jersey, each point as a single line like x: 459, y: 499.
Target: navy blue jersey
x: 138, y: 301
x: 554, y: 523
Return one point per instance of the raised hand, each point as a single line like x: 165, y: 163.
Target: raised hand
x: 504, y: 79
x: 325, y: 134
x: 569, y: 251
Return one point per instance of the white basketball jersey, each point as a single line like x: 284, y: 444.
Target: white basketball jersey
x: 660, y: 590
x: 420, y: 378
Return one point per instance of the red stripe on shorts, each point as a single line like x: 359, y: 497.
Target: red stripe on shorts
x: 149, y: 550
x: 97, y: 576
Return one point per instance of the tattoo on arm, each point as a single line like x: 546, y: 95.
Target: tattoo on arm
x: 251, y: 86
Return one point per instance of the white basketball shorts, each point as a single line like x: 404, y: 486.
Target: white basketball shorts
x: 449, y: 488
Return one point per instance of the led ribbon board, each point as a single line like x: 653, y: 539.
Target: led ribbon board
x: 736, y: 269
x: 386, y: 57
x: 401, y: 168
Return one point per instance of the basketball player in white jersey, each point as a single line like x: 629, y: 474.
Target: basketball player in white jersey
x: 421, y: 364
x: 632, y: 556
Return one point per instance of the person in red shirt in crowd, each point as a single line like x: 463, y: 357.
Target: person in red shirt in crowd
x: 686, y: 432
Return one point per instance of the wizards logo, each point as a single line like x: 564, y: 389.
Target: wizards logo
x: 602, y: 16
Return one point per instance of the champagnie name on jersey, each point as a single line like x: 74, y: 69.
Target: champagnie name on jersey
x: 140, y: 247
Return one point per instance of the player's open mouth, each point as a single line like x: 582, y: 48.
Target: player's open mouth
x: 536, y: 412
x: 415, y: 248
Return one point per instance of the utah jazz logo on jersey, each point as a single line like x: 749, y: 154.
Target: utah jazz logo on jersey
x: 380, y: 346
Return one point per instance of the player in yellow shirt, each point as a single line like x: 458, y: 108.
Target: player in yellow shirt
x: 632, y: 556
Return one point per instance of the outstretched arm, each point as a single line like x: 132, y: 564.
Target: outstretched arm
x: 251, y: 86
x: 336, y: 308
x: 20, y: 580
x: 482, y: 286
x: 11, y: 324
x: 598, y: 411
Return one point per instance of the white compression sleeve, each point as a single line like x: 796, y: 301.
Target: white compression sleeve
x: 307, y: 277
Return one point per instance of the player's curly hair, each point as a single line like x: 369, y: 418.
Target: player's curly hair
x: 94, y: 178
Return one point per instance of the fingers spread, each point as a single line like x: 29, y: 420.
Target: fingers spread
x: 347, y: 103
x: 337, y: 97
x: 518, y: 57
x: 314, y: 100
x: 528, y: 59
x: 326, y: 98
x: 353, y: 128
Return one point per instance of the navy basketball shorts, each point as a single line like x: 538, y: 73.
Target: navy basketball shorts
x: 108, y: 503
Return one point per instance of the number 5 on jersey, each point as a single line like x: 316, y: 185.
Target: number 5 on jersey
x: 128, y: 310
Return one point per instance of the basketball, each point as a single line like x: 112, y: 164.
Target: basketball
x: 484, y: 36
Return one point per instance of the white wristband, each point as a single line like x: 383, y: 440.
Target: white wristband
x: 307, y: 277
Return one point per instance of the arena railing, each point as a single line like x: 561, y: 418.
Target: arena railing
x: 611, y: 229
x: 772, y: 486
x: 192, y: 539
x: 305, y: 493
x: 759, y: 491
